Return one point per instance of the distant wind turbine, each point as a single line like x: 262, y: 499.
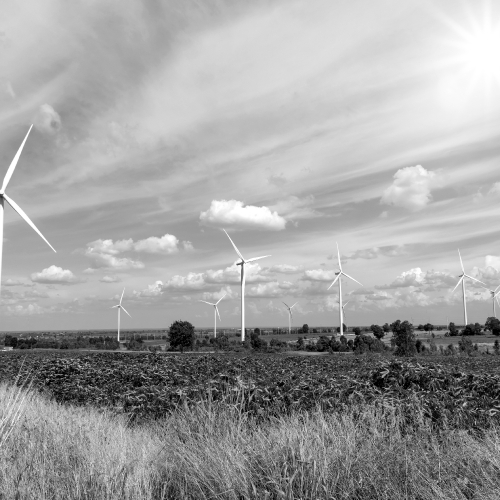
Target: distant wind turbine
x: 343, y: 308
x: 242, y: 264
x: 494, y: 296
x: 290, y: 316
x: 339, y: 279
x: 119, y: 306
x: 216, y: 312
x: 12, y: 203
x: 462, y: 280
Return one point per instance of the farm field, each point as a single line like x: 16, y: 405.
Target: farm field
x: 231, y: 426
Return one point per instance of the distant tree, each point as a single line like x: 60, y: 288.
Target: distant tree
x: 222, y: 342
x: 428, y: 327
x: 256, y: 342
x: 472, y: 329
x: 378, y: 331
x: 386, y: 328
x: 181, y: 335
x: 403, y: 338
x: 256, y: 331
x: 356, y: 330
x: 420, y: 328
x: 364, y: 343
x: 323, y: 344
x: 465, y: 344
x: 492, y: 324
x: 496, y: 347
x: 344, y: 328
x: 315, y: 330
x: 11, y: 341
x: 453, y: 329
x: 305, y: 328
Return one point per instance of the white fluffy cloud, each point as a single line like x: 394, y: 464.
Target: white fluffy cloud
x: 234, y: 215
x: 47, y: 120
x: 417, y: 278
x: 375, y: 252
x: 319, y: 275
x: 285, y: 269
x: 110, y: 279
x: 410, y: 189
x: 295, y: 208
x: 55, y: 275
x: 270, y: 290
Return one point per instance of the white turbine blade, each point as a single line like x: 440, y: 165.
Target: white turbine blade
x: 338, y: 256
x: 209, y: 303
x: 286, y: 305
x: 13, y: 164
x: 497, y: 300
x: 496, y: 294
x: 235, y: 247
x: 121, y: 298
x: 459, y: 281
x: 351, y: 278
x: 217, y: 309
x: 334, y: 281
x: 258, y: 258
x: 124, y: 310
x: 461, y: 263
x: 112, y: 307
x: 20, y: 211
x: 294, y: 305
x: 346, y: 303
x: 497, y: 288
x: 474, y: 279
x: 220, y: 299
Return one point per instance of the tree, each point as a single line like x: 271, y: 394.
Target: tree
x: 305, y: 328
x: 344, y: 328
x: 356, y: 330
x: 378, y: 331
x: 420, y: 328
x: 428, y: 327
x: 465, y: 344
x: 496, y: 347
x: 403, y: 338
x: 492, y: 324
x: 453, y: 329
x: 300, y: 344
x: 256, y: 342
x: 181, y: 335
x: 472, y: 329
x: 256, y: 331
x: 386, y: 328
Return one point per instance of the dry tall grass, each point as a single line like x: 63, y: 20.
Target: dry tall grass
x: 55, y: 452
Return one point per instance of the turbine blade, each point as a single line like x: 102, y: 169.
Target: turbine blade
x: 461, y: 263
x: 497, y: 288
x: 112, y: 307
x: 209, y: 303
x: 122, y: 296
x: 334, y: 281
x: 217, y: 309
x: 124, y: 310
x: 220, y: 298
x: 347, y: 303
x: 459, y: 281
x: 351, y: 278
x: 258, y: 258
x: 294, y: 305
x: 235, y: 247
x: 285, y: 304
x: 20, y: 211
x: 338, y: 256
x: 474, y: 279
x: 13, y: 164
x: 496, y: 294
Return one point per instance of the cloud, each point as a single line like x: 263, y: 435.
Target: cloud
x: 154, y: 290
x: 29, y: 310
x: 417, y: 278
x: 110, y: 279
x: 375, y: 252
x: 103, y: 253
x: 193, y: 281
x: 294, y: 208
x: 47, y: 120
x: 411, y: 188
x: 285, y: 269
x: 319, y: 275
x: 55, y: 275
x: 277, y: 180
x: 269, y: 290
x: 11, y: 282
x: 232, y: 214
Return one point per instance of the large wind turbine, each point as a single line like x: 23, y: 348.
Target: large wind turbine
x: 339, y: 279
x: 462, y: 280
x: 494, y: 294
x: 12, y: 203
x: 119, y: 306
x: 242, y: 264
x: 216, y: 312
x: 290, y: 316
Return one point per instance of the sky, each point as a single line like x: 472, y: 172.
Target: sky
x: 293, y: 125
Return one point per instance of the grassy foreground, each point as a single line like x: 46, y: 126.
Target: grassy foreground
x: 49, y: 451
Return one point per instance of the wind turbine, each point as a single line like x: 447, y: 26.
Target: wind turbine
x: 338, y: 278
x: 343, y: 308
x: 119, y: 306
x: 216, y: 312
x: 290, y: 316
x: 494, y: 294
x: 242, y: 264
x: 462, y: 280
x: 12, y: 203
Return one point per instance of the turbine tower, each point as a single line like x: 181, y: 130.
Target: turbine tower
x: 119, y: 306
x: 339, y: 279
x: 462, y: 280
x: 242, y: 264
x: 494, y: 294
x: 290, y: 316
x: 12, y: 203
x: 216, y: 312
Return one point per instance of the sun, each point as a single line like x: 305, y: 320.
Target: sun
x: 481, y: 53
